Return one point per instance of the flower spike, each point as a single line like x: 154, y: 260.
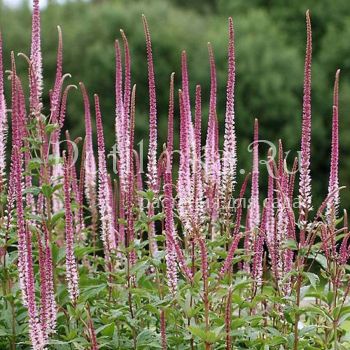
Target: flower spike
x: 333, y: 185
x: 106, y: 211
x: 305, y: 177
x: 229, y: 160
x: 71, y: 264
x: 3, y: 119
x: 152, y: 150
x: 35, y: 56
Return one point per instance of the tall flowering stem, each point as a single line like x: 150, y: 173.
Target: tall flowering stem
x: 197, y: 178
x: 50, y: 291
x: 305, y: 177
x: 25, y: 264
x: 170, y: 138
x: 186, y: 97
x: 108, y: 234
x: 269, y: 227
x: 184, y: 181
x: 152, y: 171
x: 90, y: 169
x: 3, y: 120
x: 170, y: 256
x: 212, y: 159
x: 71, y: 264
x: 333, y: 184
x: 36, y: 84
x: 255, y: 207
x: 152, y: 150
x: 229, y: 161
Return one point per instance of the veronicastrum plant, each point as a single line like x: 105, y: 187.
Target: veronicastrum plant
x: 91, y: 259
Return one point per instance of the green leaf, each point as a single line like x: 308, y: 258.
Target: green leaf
x: 313, y: 278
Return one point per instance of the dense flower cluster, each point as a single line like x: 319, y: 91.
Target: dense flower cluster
x: 45, y: 184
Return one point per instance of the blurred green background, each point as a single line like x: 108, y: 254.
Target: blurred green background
x: 270, y: 48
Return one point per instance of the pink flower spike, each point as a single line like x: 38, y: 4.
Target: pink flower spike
x: 228, y: 261
x: 152, y: 150
x: 255, y: 208
x: 184, y: 181
x: 305, y: 177
x: 56, y: 92
x: 169, y: 226
x: 212, y: 160
x: 333, y: 185
x: 90, y: 162
x: 197, y: 180
x: 3, y: 118
x: 106, y: 211
x: 127, y: 79
x: 71, y: 264
x: 52, y: 307
x: 240, y: 206
x: 269, y: 227
x: 186, y: 93
x: 25, y: 261
x: 229, y: 161
x: 170, y: 138
x: 35, y: 56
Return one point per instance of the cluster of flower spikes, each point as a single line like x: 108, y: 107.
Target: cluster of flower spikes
x: 204, y: 191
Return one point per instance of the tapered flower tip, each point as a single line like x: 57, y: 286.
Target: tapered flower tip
x: 256, y: 129
x: 117, y: 45
x: 336, y: 88
x: 59, y: 30
x: 145, y: 24
x: 308, y: 27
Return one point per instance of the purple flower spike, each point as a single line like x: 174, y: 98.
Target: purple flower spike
x: 56, y: 92
x: 305, y: 177
x: 169, y: 226
x: 36, y: 58
x: 152, y: 150
x: 212, y: 160
x: 229, y: 160
x: 197, y: 179
x: 71, y: 264
x: 333, y: 185
x: 3, y: 118
x: 255, y: 208
x: 170, y: 138
x: 186, y: 95
x: 184, y: 181
x: 106, y: 211
x: 90, y: 162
